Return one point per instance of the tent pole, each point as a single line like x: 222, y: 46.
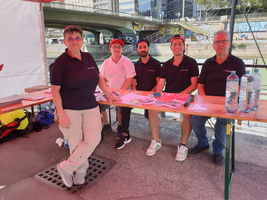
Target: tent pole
x: 232, y: 22
x: 43, y: 43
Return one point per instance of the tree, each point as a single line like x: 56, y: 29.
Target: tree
x: 209, y: 4
x: 244, y: 5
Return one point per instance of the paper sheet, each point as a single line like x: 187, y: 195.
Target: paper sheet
x: 128, y: 97
x: 198, y: 107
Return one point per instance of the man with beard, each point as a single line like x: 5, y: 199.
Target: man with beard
x: 180, y: 74
x: 212, y: 81
x: 147, y: 76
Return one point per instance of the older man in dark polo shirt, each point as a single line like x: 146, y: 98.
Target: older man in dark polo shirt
x: 180, y: 75
x: 146, y: 78
x: 212, y: 81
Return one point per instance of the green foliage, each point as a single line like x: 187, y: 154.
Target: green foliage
x: 193, y: 38
x: 241, y: 46
x: 253, y: 3
x: 213, y: 3
x: 246, y: 4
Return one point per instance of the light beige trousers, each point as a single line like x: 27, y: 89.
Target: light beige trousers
x: 83, y: 137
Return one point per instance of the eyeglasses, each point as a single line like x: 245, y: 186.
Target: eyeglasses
x: 78, y: 39
x: 220, y: 41
x: 116, y: 47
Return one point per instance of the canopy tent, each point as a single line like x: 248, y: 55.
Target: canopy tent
x: 22, y: 46
x: 23, y: 50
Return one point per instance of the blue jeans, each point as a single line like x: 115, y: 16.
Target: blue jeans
x: 198, y: 126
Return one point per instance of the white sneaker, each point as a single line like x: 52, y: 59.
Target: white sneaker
x: 79, y: 178
x: 66, y: 178
x: 181, y: 153
x: 154, y: 146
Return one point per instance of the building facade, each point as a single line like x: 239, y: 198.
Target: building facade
x: 88, y: 3
x: 149, y: 8
x: 128, y: 6
x: 106, y: 4
x: 176, y: 9
x: 161, y: 9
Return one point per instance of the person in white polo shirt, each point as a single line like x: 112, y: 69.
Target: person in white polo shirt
x: 118, y: 72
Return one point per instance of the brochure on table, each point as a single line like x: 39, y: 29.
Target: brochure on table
x: 169, y: 100
x: 172, y: 100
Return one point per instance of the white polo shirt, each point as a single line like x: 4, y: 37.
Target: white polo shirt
x: 116, y: 74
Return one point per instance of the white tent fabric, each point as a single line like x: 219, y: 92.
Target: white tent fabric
x: 21, y: 47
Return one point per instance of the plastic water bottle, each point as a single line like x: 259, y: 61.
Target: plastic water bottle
x: 231, y: 93
x: 50, y: 106
x: 256, y: 89
x: 246, y: 88
x: 66, y: 145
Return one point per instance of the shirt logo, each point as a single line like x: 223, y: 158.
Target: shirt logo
x: 122, y: 68
x: 185, y: 70
x: 90, y: 67
x: 228, y: 70
x: 151, y: 70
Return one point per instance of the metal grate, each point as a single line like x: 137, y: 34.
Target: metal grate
x: 97, y: 167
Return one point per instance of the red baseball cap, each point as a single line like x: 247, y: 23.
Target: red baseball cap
x: 177, y: 37
x: 116, y: 40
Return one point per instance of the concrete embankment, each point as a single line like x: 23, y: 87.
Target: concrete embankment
x: 202, y: 50
x: 242, y: 49
x: 59, y: 48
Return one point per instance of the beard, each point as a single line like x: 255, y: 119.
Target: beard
x: 143, y: 54
x: 178, y: 54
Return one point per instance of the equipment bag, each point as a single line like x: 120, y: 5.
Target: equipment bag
x: 30, y: 127
x: 6, y: 129
x: 44, y: 118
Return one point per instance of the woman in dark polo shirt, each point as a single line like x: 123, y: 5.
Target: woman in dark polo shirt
x: 74, y: 76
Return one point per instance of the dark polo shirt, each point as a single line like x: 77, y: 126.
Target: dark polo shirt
x: 146, y: 74
x: 213, y: 76
x: 78, y: 80
x: 179, y: 78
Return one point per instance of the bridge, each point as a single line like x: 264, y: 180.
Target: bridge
x: 60, y: 15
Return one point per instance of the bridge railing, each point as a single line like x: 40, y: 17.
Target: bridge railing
x: 73, y: 7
